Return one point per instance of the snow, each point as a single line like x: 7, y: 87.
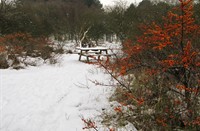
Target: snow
x: 112, y: 2
x: 52, y: 97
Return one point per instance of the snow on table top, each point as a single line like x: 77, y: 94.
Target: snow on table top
x: 92, y: 48
x: 51, y: 98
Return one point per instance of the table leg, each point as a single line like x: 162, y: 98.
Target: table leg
x: 107, y: 55
x: 98, y: 57
x: 106, y: 51
x: 80, y: 55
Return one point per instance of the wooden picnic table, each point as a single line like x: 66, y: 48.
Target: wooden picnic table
x: 92, y: 52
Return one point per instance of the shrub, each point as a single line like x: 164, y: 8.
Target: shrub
x: 164, y: 94
x: 3, y: 60
x: 21, y: 45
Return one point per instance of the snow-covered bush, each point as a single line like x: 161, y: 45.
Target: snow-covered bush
x: 16, y: 47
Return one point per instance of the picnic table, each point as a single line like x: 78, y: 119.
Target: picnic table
x: 93, y: 52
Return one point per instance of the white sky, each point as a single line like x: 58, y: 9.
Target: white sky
x: 111, y: 2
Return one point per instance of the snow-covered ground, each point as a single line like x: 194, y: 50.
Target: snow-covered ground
x: 51, y: 97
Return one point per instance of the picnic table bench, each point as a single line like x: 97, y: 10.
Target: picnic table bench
x: 92, y: 52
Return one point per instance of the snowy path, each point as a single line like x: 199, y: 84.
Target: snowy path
x: 51, y: 98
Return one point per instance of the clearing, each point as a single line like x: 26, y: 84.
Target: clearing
x: 52, y: 97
